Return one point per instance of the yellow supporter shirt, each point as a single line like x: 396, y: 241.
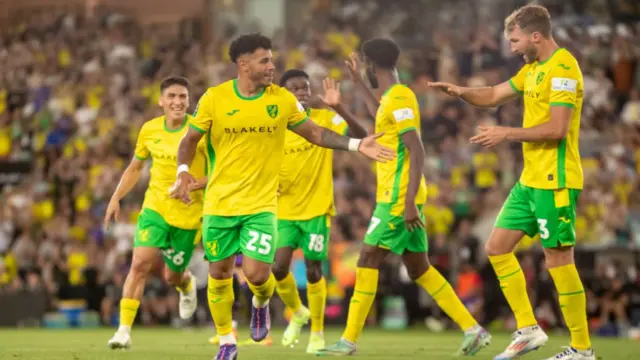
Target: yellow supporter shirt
x: 245, y: 137
x: 397, y: 114
x: 306, y: 174
x: 160, y: 144
x: 556, y: 81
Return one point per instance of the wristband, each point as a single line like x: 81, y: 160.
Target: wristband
x: 182, y: 168
x: 354, y: 144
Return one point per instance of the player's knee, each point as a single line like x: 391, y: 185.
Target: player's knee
x: 370, y: 257
x: 314, y: 271
x: 280, y: 271
x: 557, y: 257
x: 494, y: 248
x: 140, y: 268
x: 257, y: 275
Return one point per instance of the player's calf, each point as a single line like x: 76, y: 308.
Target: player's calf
x: 314, y: 270
x: 282, y: 263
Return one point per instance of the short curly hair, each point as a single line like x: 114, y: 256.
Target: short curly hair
x: 293, y: 73
x: 384, y: 53
x: 247, y: 44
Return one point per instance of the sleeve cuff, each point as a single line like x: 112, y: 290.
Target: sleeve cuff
x: 513, y: 86
x: 563, y: 104
x: 405, y: 130
x: 294, y: 126
x: 140, y: 157
x: 201, y: 131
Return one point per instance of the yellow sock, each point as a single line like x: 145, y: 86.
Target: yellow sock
x: 317, y: 297
x: 262, y: 293
x: 573, y: 303
x: 288, y: 292
x: 514, y: 288
x: 363, y: 296
x: 128, y: 311
x: 221, y: 297
x: 442, y: 292
x: 185, y: 288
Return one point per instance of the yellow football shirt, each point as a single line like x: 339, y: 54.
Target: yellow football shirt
x: 160, y: 144
x: 245, y: 136
x: 306, y: 174
x: 397, y: 114
x: 556, y: 81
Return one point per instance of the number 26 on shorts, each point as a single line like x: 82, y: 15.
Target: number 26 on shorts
x: 259, y: 242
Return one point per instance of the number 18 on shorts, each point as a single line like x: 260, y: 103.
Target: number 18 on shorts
x: 312, y: 236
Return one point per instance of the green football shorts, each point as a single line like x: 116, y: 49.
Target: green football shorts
x: 312, y: 236
x: 389, y: 232
x: 255, y: 236
x: 177, y: 244
x: 550, y: 213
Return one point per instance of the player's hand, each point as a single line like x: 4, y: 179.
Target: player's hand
x: 354, y: 66
x: 412, y: 218
x: 113, y: 212
x: 447, y: 88
x: 370, y: 148
x: 331, y: 95
x: 181, y: 189
x: 490, y: 136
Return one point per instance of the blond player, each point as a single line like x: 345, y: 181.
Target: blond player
x: 244, y: 122
x: 165, y: 225
x: 305, y: 207
x: 544, y: 200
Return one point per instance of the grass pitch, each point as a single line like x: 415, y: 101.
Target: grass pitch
x: 171, y: 344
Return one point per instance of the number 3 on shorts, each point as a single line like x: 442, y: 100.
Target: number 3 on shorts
x: 542, y: 226
x: 373, y: 224
x: 264, y: 242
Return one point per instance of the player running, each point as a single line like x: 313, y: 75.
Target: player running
x: 397, y: 224
x: 544, y: 200
x: 305, y: 207
x: 165, y: 224
x: 245, y: 121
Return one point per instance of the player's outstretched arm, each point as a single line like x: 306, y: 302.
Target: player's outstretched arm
x: 332, y: 98
x: 412, y: 142
x: 186, y: 153
x: 324, y: 137
x: 128, y: 180
x: 490, y: 96
x: 354, y: 67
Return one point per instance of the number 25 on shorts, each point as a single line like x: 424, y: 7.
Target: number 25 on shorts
x: 259, y: 242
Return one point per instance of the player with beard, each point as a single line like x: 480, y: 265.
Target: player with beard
x: 397, y: 224
x: 165, y: 225
x: 244, y: 122
x: 544, y: 200
x: 305, y: 207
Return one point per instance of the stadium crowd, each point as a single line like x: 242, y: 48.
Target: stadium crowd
x: 74, y: 92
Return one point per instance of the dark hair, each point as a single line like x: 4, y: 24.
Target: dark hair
x: 383, y: 53
x: 174, y: 80
x: 293, y: 73
x: 247, y: 44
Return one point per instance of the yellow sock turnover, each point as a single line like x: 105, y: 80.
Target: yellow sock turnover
x: 573, y: 303
x: 514, y: 288
x: 363, y: 296
x: 221, y: 297
x: 288, y: 292
x: 442, y: 292
x: 128, y: 311
x: 317, y: 297
x: 262, y: 293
